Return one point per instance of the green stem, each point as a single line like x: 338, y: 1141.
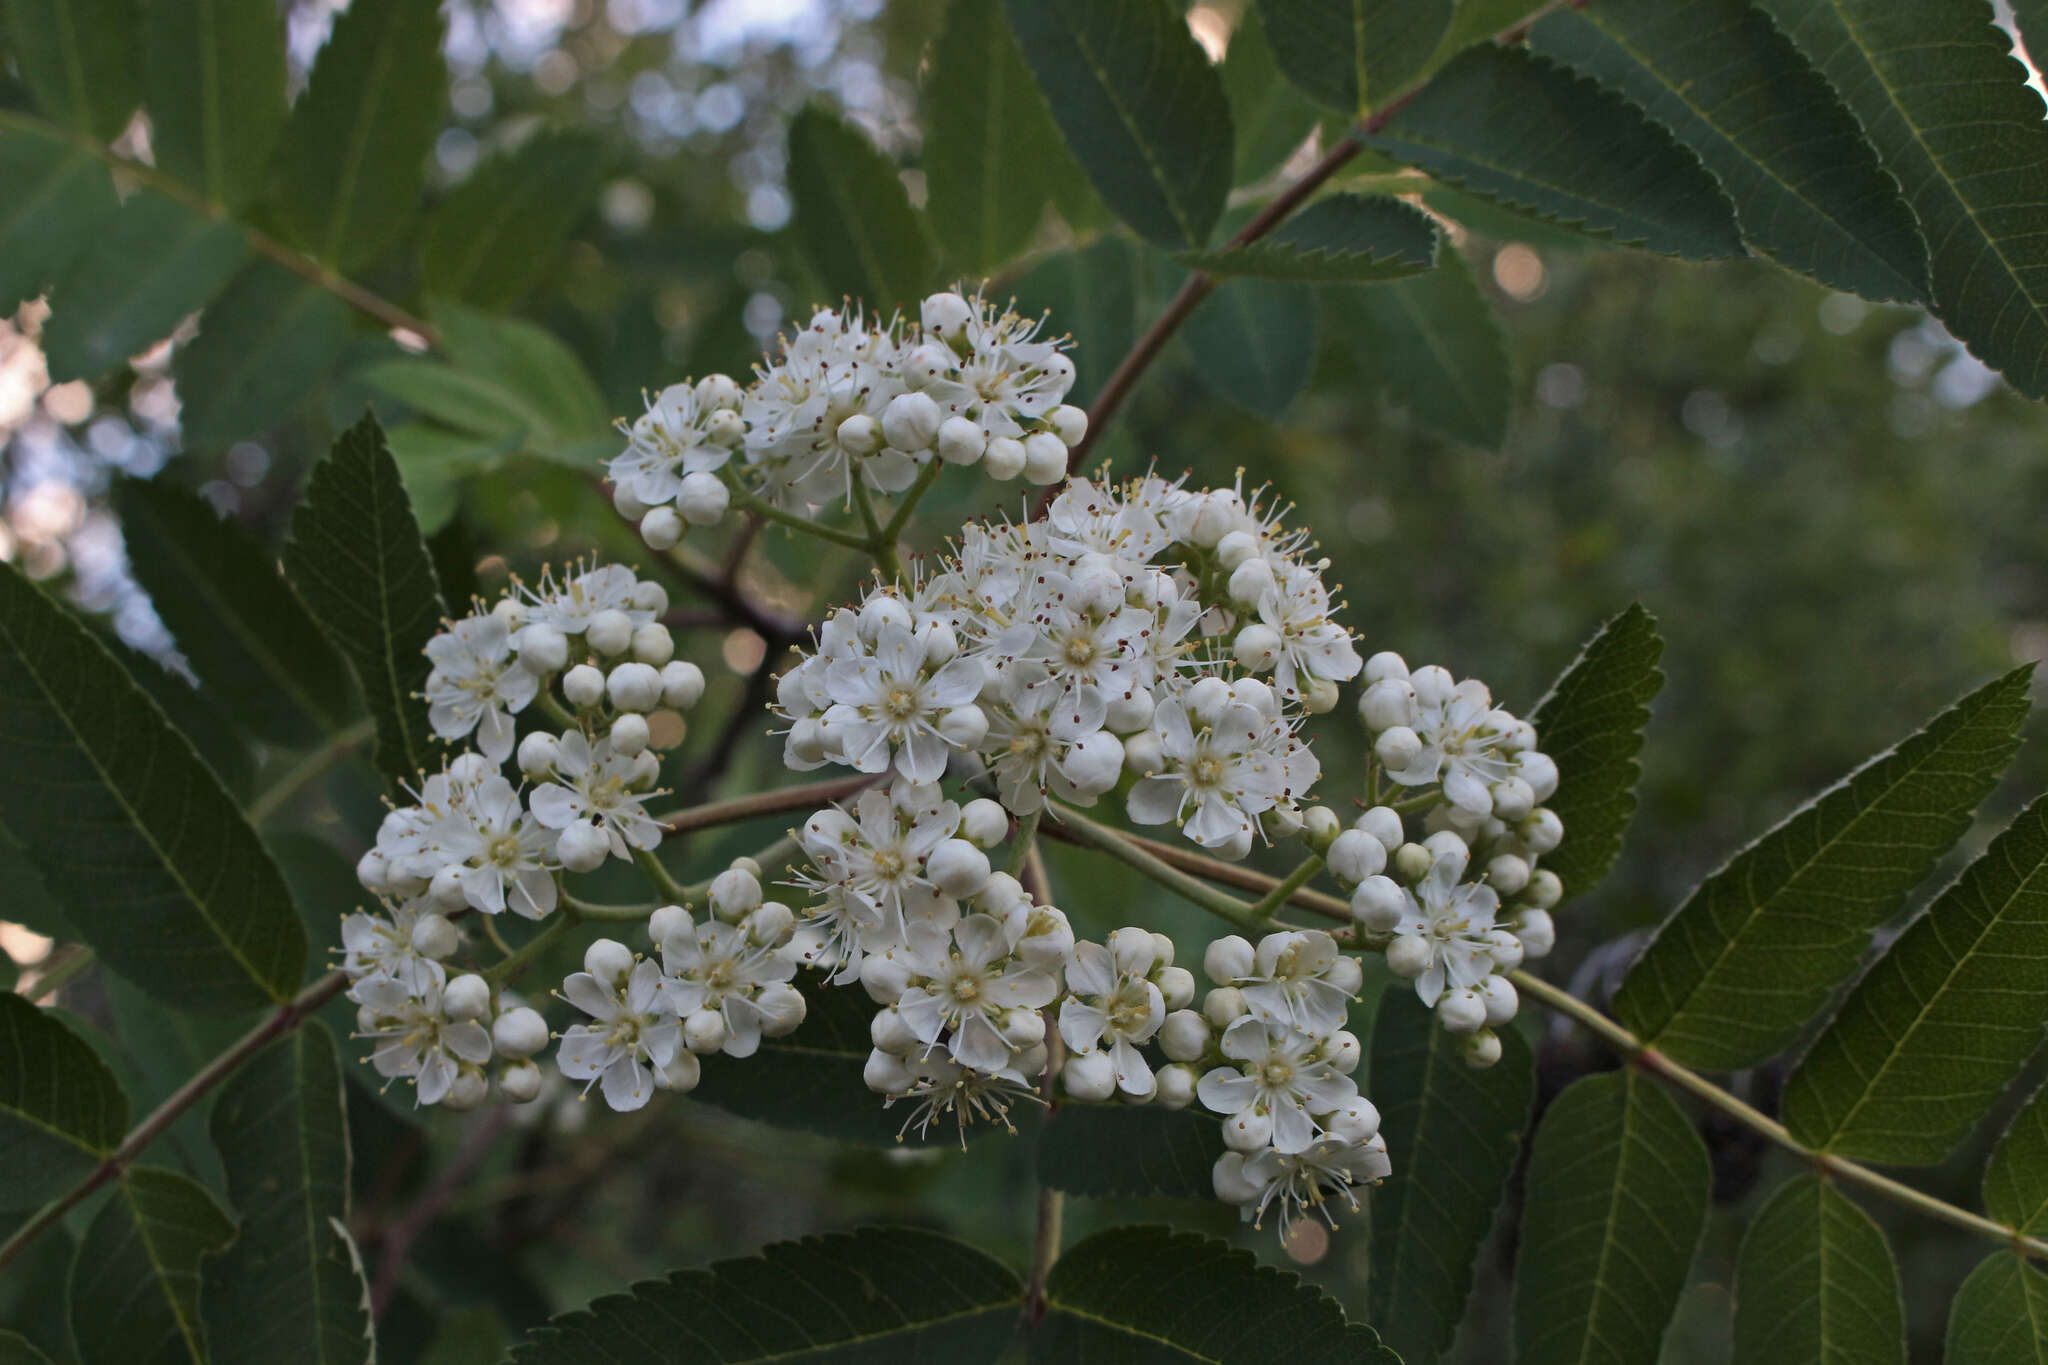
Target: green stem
x: 1081, y: 830
x: 1283, y: 890
x: 912, y: 496
x: 1021, y: 842
x: 61, y: 974
x: 597, y: 912
x: 507, y: 969
x: 1704, y: 1090
x: 556, y: 712
x: 300, y: 774
x: 745, y: 498
x: 673, y: 892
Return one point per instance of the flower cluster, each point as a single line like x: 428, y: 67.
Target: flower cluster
x: 851, y: 406
x: 1174, y: 634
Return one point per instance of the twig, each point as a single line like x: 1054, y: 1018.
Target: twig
x: 1079, y: 829
x: 400, y: 1236
x: 285, y: 1019
x: 1051, y: 1209
x: 768, y: 803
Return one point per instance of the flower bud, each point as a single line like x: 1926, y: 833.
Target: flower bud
x: 957, y: 868
x: 1089, y: 1076
x: 1512, y: 799
x: 885, y: 1073
x: 1022, y: 1027
x: 964, y: 727
x: 704, y: 1031
x: 1320, y: 827
x: 703, y: 499
x: 1252, y: 582
x: 682, y: 683
x: 1319, y: 696
x: 519, y: 1033
x: 884, y: 978
x: 682, y: 1074
x: 542, y: 649
x: 880, y: 611
x: 1002, y: 894
x: 634, y: 687
x: 1236, y: 548
x: 1045, y: 458
x: 1236, y: 848
x: 1544, y: 889
x: 1537, y: 931
x: 662, y: 528
x: 888, y: 1032
x: 1176, y: 986
x: 1184, y: 1036
x: 1398, y: 748
x: 725, y: 428
x: 466, y: 997
x: 629, y: 735
x: 467, y: 1090
x: 1384, y: 824
x: 1355, y: 855
x: 960, y: 441
x: 718, y: 391
x: 1412, y: 862
x: 1247, y: 1131
x: 1174, y: 1087
x: 945, y: 314
x: 1223, y: 1007
x: 1540, y: 772
x: 583, y: 685
x: 1347, y: 974
x: 1281, y: 822
x: 1004, y: 459
x: 734, y: 894
x: 1356, y: 1122
x: 1378, y: 904
x: 984, y: 823
x: 1207, y: 698
x: 1257, y: 647
x: 1481, y: 1050
x: 444, y: 890
x: 434, y: 937
x: 1230, y: 1182
x: 582, y: 847
x: 1542, y: 831
x: 626, y: 505
x: 1461, y: 1010
x: 1230, y: 958
x: 653, y: 645
x: 519, y: 1082
x: 666, y: 922
x: 1498, y: 994
x: 1408, y: 956
x: 782, y: 1008
x: 1143, y: 755
x: 770, y: 924
x: 610, y: 632
x: 1386, y: 704
x: 608, y: 960
x: 859, y: 434
x: 911, y: 422
x: 1215, y: 518
x: 1507, y: 874
x: 1094, y: 763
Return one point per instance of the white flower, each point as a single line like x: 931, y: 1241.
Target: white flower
x: 673, y: 438
x: 878, y: 852
x: 1311, y: 1180
x: 1003, y: 376
x: 1112, y: 1001
x: 1451, y: 917
x: 1298, y: 980
x: 715, y: 966
x: 1463, y: 740
x: 1230, y: 772
x: 940, y: 1086
x: 1311, y: 644
x: 418, y: 1040
x: 505, y: 850
x: 1032, y: 731
x: 593, y: 783
x: 635, y: 1035
x: 569, y: 605
x: 477, y: 684
x: 378, y: 949
x: 962, y: 990
x: 1281, y: 1076
x: 891, y: 702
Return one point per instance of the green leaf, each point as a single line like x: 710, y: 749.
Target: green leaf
x: 28, y: 901
x: 155, y: 261
x: 1352, y: 55
x: 131, y: 831
x: 1141, y: 107
x: 2000, y: 1315
x: 473, y: 404
x: 1511, y: 126
x: 356, y: 557
x: 16, y: 1349
x: 1271, y: 117
x: 811, y: 1080
x: 61, y: 1111
x: 1254, y: 342
x: 1816, y: 1282
x: 987, y: 135
x: 529, y: 361
x: 1480, y: 21
x: 1946, y: 106
x: 135, y: 1284
x: 433, y: 462
x: 877, y: 1294
x: 215, y: 72
x: 78, y: 58
x: 345, y: 182
x: 1154, y: 1295
x: 58, y: 198
x: 1617, y: 1192
x: 1453, y: 1134
x: 1808, y: 189
x: 268, y: 341
x: 1933, y: 1034
x: 291, y: 1287
x: 854, y: 217
x: 1341, y: 238
x: 1433, y: 343
x: 500, y: 233
x: 1091, y: 294
x: 2016, y: 1177
x: 233, y: 616
x: 1113, y: 1150
x: 1591, y: 722
x: 1754, y: 953
x: 199, y: 716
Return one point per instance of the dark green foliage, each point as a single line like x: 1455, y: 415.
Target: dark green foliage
x: 282, y: 1137
x: 1591, y: 722
x: 135, y: 1284
x: 1254, y: 341
x: 1142, y: 109
x: 215, y: 74
x: 236, y: 620
x: 152, y: 861
x: 873, y: 1295
x: 854, y: 217
x: 1453, y: 1134
x: 500, y: 233
x: 80, y: 59
x: 1514, y: 127
x: 1753, y: 954
x: 345, y: 182
x: 57, y: 198
x: 272, y: 338
x: 1808, y: 190
x: 1617, y: 1192
x: 1150, y: 1294
x: 356, y: 557
x: 1949, y: 113
x: 1997, y: 1315
x: 61, y: 1110
x: 1339, y: 239
x: 1816, y: 1282
x: 1934, y: 1033
x: 1109, y: 1150
x: 2016, y: 1177
x: 1354, y: 55
x: 1090, y: 294
x: 1432, y: 344
x: 1271, y: 117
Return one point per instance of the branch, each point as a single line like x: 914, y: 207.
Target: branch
x: 811, y: 794
x: 287, y: 1018
x: 1072, y: 827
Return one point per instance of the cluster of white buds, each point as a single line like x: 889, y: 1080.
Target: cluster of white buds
x: 847, y: 399
x: 1084, y: 652
x: 718, y: 985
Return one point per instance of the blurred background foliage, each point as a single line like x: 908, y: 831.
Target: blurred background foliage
x: 1832, y: 510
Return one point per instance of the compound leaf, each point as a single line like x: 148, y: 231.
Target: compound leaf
x: 1351, y: 55
x: 500, y: 233
x: 269, y: 340
x: 854, y: 217
x: 61, y: 1110
x: 135, y: 1282
x: 1111, y: 1150
x: 2000, y: 1315
x: 79, y: 59
x: 216, y: 75
x: 1816, y: 1282
x: 2016, y: 1177
x: 1339, y: 239
x: 58, y: 197
x: 1432, y: 343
